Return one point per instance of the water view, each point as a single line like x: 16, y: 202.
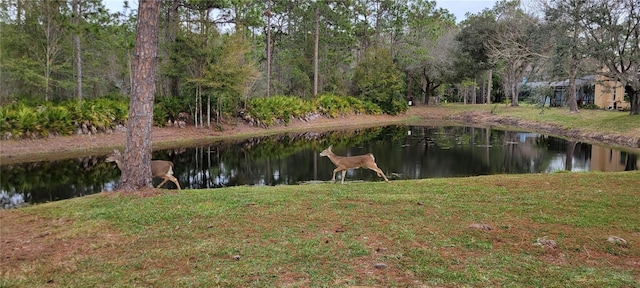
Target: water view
x: 402, y: 152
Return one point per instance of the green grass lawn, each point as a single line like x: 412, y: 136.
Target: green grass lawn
x: 588, y: 120
x: 399, y: 234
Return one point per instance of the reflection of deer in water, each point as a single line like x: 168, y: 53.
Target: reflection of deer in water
x: 352, y: 162
x: 159, y: 168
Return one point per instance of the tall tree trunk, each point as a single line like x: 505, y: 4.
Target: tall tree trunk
x: 464, y: 94
x: 51, y: 48
x: 76, y: 40
x: 137, y: 157
x: 634, y: 99
x: 410, y: 88
x: 268, y: 48
x: 473, y: 93
x: 424, y: 91
x: 514, y: 95
x: 513, y: 77
x: 489, y: 84
x: 482, y: 88
x: 196, y: 108
x: 573, y: 104
x: 174, y: 22
x: 428, y: 87
x: 315, y: 52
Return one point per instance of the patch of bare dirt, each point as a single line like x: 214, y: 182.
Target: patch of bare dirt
x: 29, y: 238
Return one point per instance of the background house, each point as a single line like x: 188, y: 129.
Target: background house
x: 610, y: 94
x: 590, y: 90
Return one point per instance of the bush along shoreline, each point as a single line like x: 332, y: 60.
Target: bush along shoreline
x: 25, y: 120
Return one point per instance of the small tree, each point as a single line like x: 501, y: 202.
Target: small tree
x: 377, y: 79
x: 472, y: 57
x: 515, y: 46
x: 228, y: 73
x: 568, y: 54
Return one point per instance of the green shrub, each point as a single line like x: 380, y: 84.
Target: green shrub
x: 333, y: 106
x: 167, y: 108
x: 160, y: 115
x: 589, y: 106
x: 56, y: 119
x: 357, y: 105
x: 26, y: 121
x: 5, y: 123
x: 372, y: 108
x: 39, y: 118
x: 7, y: 119
x: 267, y: 111
x: 96, y: 115
x: 278, y: 108
x: 120, y: 111
x: 397, y: 106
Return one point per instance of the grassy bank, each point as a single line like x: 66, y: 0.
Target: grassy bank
x: 403, y: 233
x: 614, y: 122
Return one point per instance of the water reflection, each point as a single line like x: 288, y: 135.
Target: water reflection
x: 402, y: 152
x: 38, y: 182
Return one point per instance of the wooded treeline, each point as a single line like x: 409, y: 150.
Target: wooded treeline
x: 215, y: 55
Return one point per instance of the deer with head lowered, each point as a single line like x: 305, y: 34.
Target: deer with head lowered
x: 159, y: 168
x: 352, y: 162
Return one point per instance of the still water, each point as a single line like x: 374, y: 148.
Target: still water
x: 402, y: 152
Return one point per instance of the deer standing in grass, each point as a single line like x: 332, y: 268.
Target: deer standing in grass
x: 352, y: 162
x: 159, y: 168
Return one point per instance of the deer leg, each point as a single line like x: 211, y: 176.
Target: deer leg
x: 162, y: 183
x: 175, y: 181
x: 169, y: 178
x: 380, y: 173
x: 344, y: 173
x: 334, y: 174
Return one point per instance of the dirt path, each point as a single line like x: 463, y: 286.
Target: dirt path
x: 13, y: 151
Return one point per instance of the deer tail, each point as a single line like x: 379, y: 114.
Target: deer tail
x: 374, y: 158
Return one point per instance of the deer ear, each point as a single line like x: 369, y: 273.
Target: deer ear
x: 330, y: 146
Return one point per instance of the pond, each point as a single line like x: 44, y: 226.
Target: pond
x: 402, y: 152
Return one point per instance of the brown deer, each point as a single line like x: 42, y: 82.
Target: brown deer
x: 352, y: 162
x: 159, y: 168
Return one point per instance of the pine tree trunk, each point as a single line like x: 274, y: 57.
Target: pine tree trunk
x: 315, y: 52
x: 137, y: 157
x: 76, y: 39
x: 473, y: 94
x: 268, y: 49
x: 489, y: 84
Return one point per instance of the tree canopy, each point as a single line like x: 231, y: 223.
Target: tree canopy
x: 231, y: 51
